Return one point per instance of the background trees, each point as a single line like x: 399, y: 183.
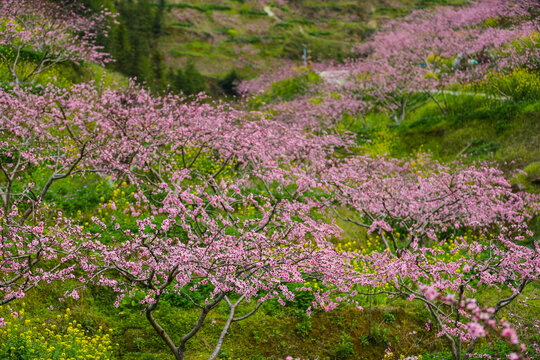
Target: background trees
x: 37, y: 35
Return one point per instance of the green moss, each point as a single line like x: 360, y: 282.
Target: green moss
x: 182, y: 24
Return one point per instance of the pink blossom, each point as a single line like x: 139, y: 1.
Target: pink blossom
x: 476, y: 330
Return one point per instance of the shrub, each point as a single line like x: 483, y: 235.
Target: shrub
x: 344, y: 349
x: 289, y: 89
x: 388, y: 317
x: 520, y: 85
x: 190, y: 81
x: 229, y: 82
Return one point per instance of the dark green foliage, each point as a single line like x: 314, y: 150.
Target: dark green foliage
x: 247, y: 40
x: 303, y: 324
x: 200, y: 7
x: 284, y: 25
x: 251, y: 12
x: 378, y: 336
x: 388, y: 317
x: 132, y: 41
x: 188, y: 80
x: 303, y: 299
x: 157, y: 71
x: 157, y: 25
x: 229, y: 82
x: 224, y: 355
x: 302, y: 21
x: 119, y: 45
x: 217, y: 7
x: 182, y: 24
x: 319, y: 33
x: 137, y: 18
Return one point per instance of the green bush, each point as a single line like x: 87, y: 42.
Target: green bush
x: 388, y: 317
x: 303, y: 325
x: 533, y: 170
x: 182, y: 24
x: 189, y: 80
x: 229, y: 82
x: 378, y: 336
x: 520, y: 85
x: 289, y: 89
x: 344, y: 350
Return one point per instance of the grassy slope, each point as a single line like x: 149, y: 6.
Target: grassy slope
x: 506, y: 132
x: 273, y: 332
x: 220, y: 35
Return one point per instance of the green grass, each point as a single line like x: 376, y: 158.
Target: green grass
x: 250, y: 12
x: 177, y: 52
x: 200, y: 7
x: 504, y: 131
x: 245, y: 39
x: 301, y: 21
x: 182, y: 24
x: 273, y: 331
x: 319, y: 33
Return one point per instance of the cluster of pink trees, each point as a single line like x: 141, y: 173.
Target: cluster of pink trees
x: 44, y: 138
x: 415, y: 58
x: 407, y: 62
x: 421, y: 209
x: 243, y: 202
x: 37, y: 35
x: 244, y: 225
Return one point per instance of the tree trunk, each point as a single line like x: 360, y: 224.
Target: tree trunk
x: 178, y: 353
x: 470, y: 349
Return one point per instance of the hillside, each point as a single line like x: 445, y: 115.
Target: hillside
x: 156, y: 38
x: 361, y: 180
x: 223, y: 35
x: 252, y: 36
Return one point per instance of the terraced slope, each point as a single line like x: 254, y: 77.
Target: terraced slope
x: 254, y: 35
